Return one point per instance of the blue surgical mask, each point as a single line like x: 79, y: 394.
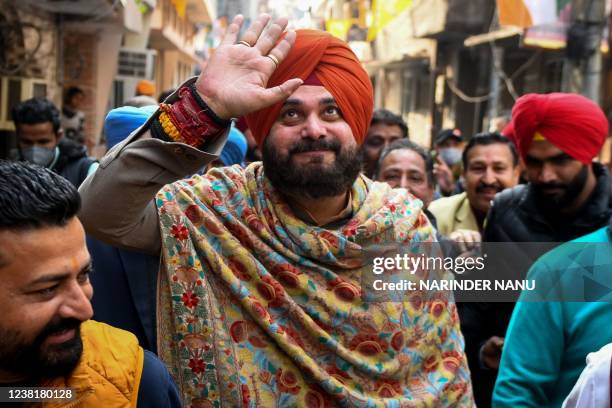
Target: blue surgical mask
x: 42, y: 156
x: 451, y: 155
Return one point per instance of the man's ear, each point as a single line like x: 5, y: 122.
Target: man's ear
x: 518, y: 169
x: 59, y: 134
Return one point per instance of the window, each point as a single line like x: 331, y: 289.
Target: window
x: 39, y: 90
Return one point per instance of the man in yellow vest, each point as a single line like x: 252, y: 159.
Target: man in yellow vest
x: 46, y: 337
x: 490, y: 165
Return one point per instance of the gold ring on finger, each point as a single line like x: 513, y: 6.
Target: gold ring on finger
x: 274, y: 59
x: 245, y: 43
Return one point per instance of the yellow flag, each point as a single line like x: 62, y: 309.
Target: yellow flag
x: 180, y: 6
x: 383, y: 12
x: 338, y: 28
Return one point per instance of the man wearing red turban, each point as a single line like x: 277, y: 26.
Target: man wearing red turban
x: 558, y: 135
x: 571, y: 122
x: 567, y: 196
x: 260, y: 293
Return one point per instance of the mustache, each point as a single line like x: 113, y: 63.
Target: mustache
x: 58, y: 326
x: 482, y: 187
x: 304, y: 146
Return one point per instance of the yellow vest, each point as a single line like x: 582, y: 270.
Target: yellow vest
x: 453, y: 213
x: 108, y: 374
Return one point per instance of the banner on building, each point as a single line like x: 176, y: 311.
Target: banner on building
x: 338, y: 28
x: 545, y: 21
x: 180, y: 6
x: 383, y: 12
x: 529, y: 13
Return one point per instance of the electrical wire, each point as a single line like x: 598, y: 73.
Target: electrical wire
x: 18, y: 27
x: 483, y: 98
x: 508, y: 81
x: 29, y: 55
x: 463, y: 96
x: 496, y: 66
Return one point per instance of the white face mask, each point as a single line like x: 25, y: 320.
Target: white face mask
x: 41, y: 156
x: 451, y: 155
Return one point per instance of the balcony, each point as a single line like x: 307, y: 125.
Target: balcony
x: 170, y: 31
x: 451, y: 19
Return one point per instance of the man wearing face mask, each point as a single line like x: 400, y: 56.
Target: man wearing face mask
x: 448, y: 148
x: 40, y: 141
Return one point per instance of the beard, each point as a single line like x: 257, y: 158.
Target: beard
x: 39, y: 360
x: 313, y: 180
x: 570, y: 190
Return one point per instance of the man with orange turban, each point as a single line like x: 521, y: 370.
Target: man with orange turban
x: 260, y: 300
x: 568, y: 195
x: 145, y: 88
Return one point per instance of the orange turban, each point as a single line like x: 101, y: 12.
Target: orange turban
x: 336, y: 67
x: 571, y: 122
x: 145, y: 87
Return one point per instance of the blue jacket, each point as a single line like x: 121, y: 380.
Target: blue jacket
x: 548, y: 339
x: 125, y: 285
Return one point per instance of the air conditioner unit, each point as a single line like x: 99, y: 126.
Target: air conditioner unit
x: 14, y: 90
x: 134, y: 65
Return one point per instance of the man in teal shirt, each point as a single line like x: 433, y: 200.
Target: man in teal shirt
x: 554, y: 328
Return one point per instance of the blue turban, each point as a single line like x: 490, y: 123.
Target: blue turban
x: 122, y: 121
x: 235, y: 149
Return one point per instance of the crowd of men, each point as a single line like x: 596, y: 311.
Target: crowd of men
x: 226, y: 282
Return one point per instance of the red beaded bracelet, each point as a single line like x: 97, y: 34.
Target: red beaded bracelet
x: 195, y: 123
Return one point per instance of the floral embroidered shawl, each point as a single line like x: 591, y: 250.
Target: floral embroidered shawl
x: 259, y: 309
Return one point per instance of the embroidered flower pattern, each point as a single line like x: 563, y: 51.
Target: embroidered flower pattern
x: 260, y: 303
x: 179, y: 232
x: 190, y: 299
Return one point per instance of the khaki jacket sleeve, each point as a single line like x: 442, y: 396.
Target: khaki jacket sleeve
x: 118, y: 198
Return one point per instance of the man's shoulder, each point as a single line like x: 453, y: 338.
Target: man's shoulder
x: 511, y: 196
x: 102, y: 337
x: 115, y: 355
x: 445, y: 204
x: 570, y: 257
x: 71, y: 149
x: 111, y: 360
x: 598, y: 236
x: 157, y: 388
x: 578, y: 248
x: 508, y: 200
x: 108, y: 348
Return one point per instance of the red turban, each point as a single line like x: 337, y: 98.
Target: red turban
x: 571, y: 122
x: 336, y: 67
x: 508, y: 131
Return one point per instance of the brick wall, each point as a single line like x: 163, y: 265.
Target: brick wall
x: 80, y: 65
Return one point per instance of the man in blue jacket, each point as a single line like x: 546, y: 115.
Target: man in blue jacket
x: 553, y: 328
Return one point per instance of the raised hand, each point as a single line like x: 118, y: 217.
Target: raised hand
x: 467, y: 240
x: 235, y: 78
x: 444, y: 176
x: 491, y: 351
